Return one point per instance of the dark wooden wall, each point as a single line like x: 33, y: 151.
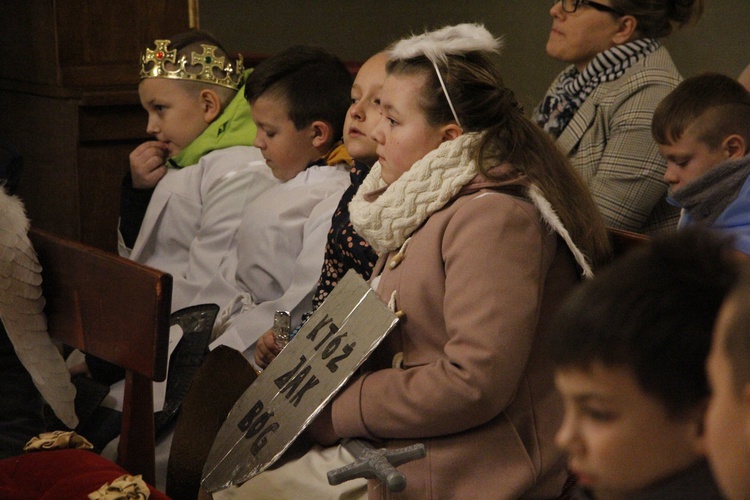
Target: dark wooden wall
x: 69, y: 104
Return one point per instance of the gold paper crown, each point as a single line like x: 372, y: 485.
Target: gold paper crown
x: 153, y: 66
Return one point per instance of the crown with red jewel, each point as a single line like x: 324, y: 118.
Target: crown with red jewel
x: 203, y: 67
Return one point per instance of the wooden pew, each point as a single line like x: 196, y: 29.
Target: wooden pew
x: 623, y: 240
x: 117, y: 310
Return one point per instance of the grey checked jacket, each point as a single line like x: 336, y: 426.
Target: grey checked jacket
x: 609, y: 142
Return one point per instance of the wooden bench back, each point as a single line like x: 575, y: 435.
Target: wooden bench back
x: 117, y: 310
x: 623, y: 240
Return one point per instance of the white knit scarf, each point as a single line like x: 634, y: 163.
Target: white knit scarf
x: 425, y: 188
x: 387, y: 221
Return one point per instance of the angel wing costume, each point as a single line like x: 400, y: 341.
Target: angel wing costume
x: 22, y: 311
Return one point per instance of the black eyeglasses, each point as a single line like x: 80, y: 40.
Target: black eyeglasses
x: 571, y: 6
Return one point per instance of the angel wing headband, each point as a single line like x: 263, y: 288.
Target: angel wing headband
x: 437, y: 45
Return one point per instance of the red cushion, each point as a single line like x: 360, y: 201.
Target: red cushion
x: 55, y: 474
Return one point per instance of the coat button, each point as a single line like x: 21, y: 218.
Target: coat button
x: 398, y: 360
x: 396, y: 260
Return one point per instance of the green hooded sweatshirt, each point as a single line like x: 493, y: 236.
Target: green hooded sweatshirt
x: 233, y: 127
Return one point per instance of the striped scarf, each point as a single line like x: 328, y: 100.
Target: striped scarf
x: 573, y: 87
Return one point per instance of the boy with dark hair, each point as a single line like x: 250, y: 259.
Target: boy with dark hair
x: 292, y: 75
x: 299, y: 99
x: 702, y: 129
x: 728, y: 416
x: 629, y: 351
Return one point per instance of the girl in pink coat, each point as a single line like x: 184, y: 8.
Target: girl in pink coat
x: 481, y: 226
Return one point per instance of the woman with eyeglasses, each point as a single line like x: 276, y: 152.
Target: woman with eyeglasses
x: 599, y: 108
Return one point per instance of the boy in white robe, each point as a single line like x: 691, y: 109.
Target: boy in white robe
x: 299, y: 99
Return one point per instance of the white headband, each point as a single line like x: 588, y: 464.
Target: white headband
x: 438, y: 45
x: 445, y: 91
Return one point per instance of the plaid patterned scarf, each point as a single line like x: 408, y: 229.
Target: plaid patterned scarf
x: 573, y: 87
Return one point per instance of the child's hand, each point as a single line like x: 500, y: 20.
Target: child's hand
x: 80, y: 369
x: 266, y: 349
x: 147, y: 164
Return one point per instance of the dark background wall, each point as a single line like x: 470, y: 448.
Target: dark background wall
x: 355, y: 29
x: 68, y: 99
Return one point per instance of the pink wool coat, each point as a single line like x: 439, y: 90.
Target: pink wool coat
x: 463, y: 372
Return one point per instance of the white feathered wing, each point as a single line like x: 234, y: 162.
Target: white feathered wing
x: 22, y: 311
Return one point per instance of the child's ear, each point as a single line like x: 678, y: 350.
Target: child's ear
x: 211, y: 105
x: 735, y: 146
x: 627, y: 30
x: 698, y: 417
x: 322, y: 134
x: 451, y: 131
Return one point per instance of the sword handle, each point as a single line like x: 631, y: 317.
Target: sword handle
x: 376, y: 463
x: 282, y: 327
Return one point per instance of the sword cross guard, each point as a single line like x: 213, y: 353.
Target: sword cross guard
x: 376, y: 463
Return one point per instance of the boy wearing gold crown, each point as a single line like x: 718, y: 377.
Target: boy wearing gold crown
x: 183, y: 197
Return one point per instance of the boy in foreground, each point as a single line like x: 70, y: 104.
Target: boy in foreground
x: 629, y: 354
